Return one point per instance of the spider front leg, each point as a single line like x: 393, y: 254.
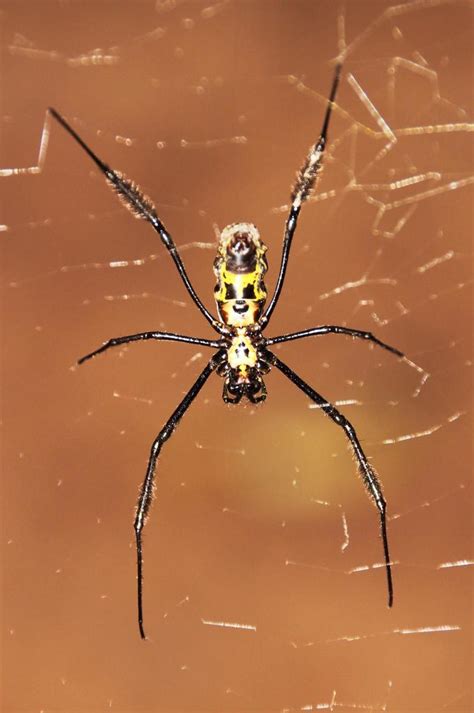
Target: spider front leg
x: 368, y: 474
x: 146, y: 492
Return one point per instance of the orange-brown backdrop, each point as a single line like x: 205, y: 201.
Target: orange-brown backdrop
x: 211, y: 108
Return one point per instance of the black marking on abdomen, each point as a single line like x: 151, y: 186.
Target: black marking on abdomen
x: 248, y: 293
x: 241, y: 307
x: 241, y: 254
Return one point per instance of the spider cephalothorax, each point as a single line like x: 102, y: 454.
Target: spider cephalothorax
x: 242, y: 366
x: 242, y: 355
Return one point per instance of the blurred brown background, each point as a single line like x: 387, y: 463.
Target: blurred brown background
x: 197, y: 103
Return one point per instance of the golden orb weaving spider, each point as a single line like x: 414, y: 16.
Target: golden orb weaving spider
x: 242, y: 357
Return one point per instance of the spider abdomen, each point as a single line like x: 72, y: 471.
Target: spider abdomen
x: 240, y: 265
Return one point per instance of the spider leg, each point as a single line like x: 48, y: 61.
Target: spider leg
x: 368, y: 474
x: 146, y: 492
x: 142, y: 207
x: 305, y: 183
x: 166, y: 336
x: 333, y: 329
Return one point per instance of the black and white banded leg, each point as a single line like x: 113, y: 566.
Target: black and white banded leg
x: 368, y: 474
x: 142, y: 336
x: 333, y: 329
x: 142, y: 207
x: 146, y: 492
x: 305, y: 182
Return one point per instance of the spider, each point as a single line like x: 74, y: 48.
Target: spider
x: 243, y: 356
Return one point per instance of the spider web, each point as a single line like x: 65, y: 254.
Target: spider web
x: 264, y: 585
